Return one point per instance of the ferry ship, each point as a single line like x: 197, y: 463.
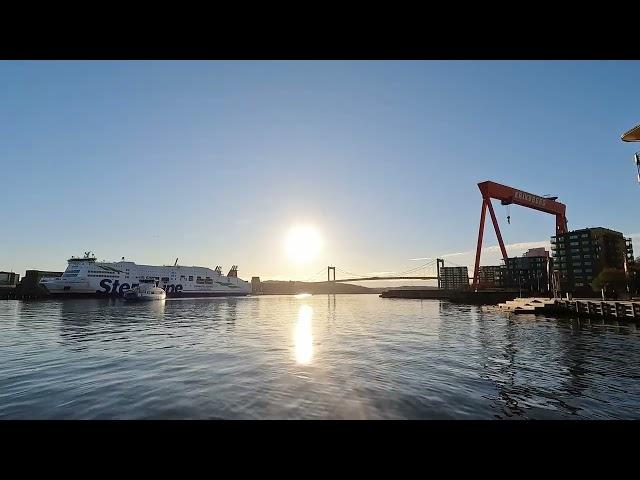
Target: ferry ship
x: 85, y: 276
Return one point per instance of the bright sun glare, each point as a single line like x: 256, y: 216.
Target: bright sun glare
x: 303, y: 243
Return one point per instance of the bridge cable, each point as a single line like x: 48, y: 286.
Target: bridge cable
x: 355, y: 275
x: 419, y: 267
x: 315, y: 275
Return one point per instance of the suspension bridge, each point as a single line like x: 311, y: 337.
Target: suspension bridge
x: 426, y: 271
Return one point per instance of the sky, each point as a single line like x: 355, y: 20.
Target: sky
x: 212, y: 162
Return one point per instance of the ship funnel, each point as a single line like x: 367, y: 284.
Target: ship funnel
x: 233, y: 272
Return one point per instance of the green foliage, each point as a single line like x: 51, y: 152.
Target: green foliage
x: 611, y: 278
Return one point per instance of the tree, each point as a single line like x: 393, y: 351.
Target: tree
x: 611, y: 278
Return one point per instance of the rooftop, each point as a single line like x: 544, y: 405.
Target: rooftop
x: 589, y: 229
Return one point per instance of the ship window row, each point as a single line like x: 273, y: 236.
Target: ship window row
x: 166, y: 279
x: 104, y: 275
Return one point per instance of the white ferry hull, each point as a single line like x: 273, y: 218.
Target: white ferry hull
x: 87, y: 278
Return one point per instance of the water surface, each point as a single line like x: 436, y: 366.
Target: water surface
x: 309, y: 357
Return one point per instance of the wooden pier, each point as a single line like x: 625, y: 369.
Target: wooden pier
x: 588, y: 307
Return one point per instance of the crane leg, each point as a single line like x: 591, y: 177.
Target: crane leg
x: 479, y: 247
x: 497, y: 229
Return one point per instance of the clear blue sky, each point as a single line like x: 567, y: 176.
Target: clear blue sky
x: 212, y: 162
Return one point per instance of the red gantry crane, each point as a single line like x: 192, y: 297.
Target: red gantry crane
x: 508, y: 196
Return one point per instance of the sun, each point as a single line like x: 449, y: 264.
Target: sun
x: 303, y: 243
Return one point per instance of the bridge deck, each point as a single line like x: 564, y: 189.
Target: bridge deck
x: 364, y: 279
x: 361, y: 279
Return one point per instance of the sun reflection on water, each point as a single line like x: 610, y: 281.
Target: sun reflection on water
x: 302, y: 336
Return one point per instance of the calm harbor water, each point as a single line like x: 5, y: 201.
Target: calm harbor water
x: 309, y: 357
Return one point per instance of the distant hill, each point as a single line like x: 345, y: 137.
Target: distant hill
x: 275, y: 287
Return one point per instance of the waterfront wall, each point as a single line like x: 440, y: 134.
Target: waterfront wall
x: 458, y: 296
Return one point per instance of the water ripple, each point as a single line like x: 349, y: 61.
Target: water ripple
x: 315, y: 357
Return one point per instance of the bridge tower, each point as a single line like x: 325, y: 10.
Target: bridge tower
x: 329, y: 270
x: 438, y: 262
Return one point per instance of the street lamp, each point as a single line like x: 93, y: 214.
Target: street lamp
x: 633, y: 135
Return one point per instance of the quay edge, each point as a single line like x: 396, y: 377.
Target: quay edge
x: 474, y: 298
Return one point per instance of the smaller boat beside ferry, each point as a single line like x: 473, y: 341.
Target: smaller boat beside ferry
x: 146, y: 290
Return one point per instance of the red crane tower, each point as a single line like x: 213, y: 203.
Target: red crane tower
x: 508, y: 196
